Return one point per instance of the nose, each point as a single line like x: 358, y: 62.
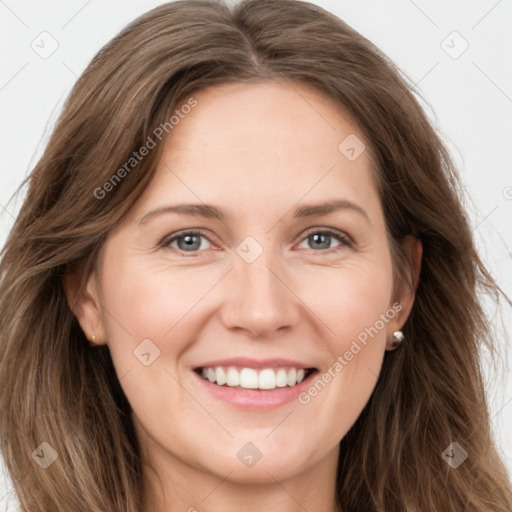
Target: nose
x: 259, y: 297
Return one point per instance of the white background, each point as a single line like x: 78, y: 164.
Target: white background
x: 469, y: 101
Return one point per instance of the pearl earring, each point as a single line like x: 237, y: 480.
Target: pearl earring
x: 398, y: 338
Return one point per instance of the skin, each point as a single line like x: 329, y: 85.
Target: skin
x: 256, y: 151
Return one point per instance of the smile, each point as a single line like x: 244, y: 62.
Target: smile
x: 252, y: 378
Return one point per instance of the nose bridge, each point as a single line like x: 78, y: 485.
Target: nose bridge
x: 259, y: 297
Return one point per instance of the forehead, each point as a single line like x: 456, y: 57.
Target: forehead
x: 268, y: 142
x: 270, y: 113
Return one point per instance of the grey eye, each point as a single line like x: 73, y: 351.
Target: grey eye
x: 187, y: 242
x: 321, y: 239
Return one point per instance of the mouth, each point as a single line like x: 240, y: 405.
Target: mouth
x: 265, y: 379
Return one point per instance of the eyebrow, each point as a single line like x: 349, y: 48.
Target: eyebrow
x: 211, y: 212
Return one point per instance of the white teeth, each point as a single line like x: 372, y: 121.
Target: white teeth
x: 249, y: 378
x: 233, y: 378
x: 281, y: 378
x: 267, y: 379
x: 220, y: 376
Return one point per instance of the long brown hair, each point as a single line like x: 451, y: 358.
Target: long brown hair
x: 56, y: 389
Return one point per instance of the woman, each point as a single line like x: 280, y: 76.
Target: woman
x: 231, y: 364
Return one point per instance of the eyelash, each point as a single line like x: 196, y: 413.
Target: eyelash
x: 341, y: 237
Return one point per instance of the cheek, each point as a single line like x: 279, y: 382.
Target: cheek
x: 352, y: 305
x: 149, y: 309
x: 147, y: 299
x: 156, y: 302
x: 350, y: 300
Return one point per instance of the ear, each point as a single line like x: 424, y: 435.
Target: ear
x: 84, y: 300
x: 413, y: 249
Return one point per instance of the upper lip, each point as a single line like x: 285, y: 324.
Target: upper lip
x: 247, y: 362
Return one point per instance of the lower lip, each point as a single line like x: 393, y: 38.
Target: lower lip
x: 256, y: 399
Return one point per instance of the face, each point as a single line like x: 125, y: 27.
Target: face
x: 265, y: 292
